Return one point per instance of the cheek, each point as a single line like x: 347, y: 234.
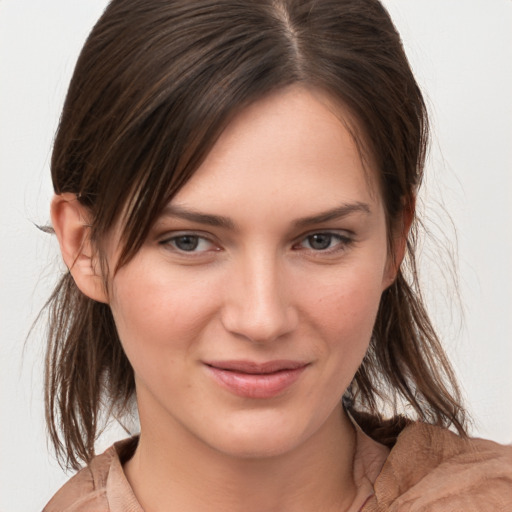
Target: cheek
x: 342, y: 316
x: 159, y: 313
x: 347, y: 301
x: 339, y: 315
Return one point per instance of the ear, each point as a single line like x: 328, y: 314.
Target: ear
x: 70, y: 222
x: 399, y: 243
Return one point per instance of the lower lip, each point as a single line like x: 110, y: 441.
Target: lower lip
x: 248, y: 385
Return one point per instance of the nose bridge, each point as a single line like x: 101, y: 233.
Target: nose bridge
x: 259, y: 307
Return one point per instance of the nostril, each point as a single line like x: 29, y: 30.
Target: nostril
x: 260, y: 327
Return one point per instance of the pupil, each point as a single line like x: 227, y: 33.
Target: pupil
x: 187, y: 242
x: 320, y: 241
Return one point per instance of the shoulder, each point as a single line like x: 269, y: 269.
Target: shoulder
x: 431, y: 468
x: 89, y: 489
x: 86, y: 490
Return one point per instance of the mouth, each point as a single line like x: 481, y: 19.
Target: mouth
x: 256, y: 380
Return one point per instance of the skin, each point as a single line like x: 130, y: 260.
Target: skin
x: 258, y: 287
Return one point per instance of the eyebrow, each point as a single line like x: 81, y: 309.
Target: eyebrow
x: 198, y: 217
x: 225, y: 222
x: 334, y: 214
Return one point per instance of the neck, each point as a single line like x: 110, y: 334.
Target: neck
x: 173, y: 470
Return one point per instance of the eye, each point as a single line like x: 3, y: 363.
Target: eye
x: 188, y: 242
x: 324, y: 241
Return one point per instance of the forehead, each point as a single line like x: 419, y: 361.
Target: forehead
x: 293, y: 147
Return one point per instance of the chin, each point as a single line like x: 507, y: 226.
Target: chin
x: 259, y: 437
x: 257, y: 446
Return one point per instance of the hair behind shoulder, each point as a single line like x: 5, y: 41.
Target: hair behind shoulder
x: 156, y: 83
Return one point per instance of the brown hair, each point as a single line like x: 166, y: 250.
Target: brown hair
x: 155, y: 84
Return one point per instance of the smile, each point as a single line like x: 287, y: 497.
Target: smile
x: 254, y: 380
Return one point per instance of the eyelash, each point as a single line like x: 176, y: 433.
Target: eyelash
x: 171, y: 241
x: 342, y: 243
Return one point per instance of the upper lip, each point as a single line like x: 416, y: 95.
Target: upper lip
x: 254, y: 368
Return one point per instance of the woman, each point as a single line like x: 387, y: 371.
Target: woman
x: 235, y: 197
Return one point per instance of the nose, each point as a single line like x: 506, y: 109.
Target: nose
x: 258, y: 304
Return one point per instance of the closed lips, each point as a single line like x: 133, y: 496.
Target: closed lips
x: 253, y: 368
x: 256, y: 380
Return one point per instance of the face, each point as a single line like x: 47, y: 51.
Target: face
x: 249, y: 308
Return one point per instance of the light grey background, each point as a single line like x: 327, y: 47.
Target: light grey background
x: 461, y: 51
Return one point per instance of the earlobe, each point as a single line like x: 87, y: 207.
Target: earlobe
x: 70, y: 222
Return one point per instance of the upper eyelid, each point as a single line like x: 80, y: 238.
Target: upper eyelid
x: 169, y: 243
x: 341, y: 244
x: 169, y: 235
x: 344, y: 233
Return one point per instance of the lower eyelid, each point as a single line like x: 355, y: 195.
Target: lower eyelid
x: 340, y: 238
x: 341, y: 241
x: 171, y: 241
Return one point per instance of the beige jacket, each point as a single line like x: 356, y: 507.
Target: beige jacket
x: 428, y: 469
